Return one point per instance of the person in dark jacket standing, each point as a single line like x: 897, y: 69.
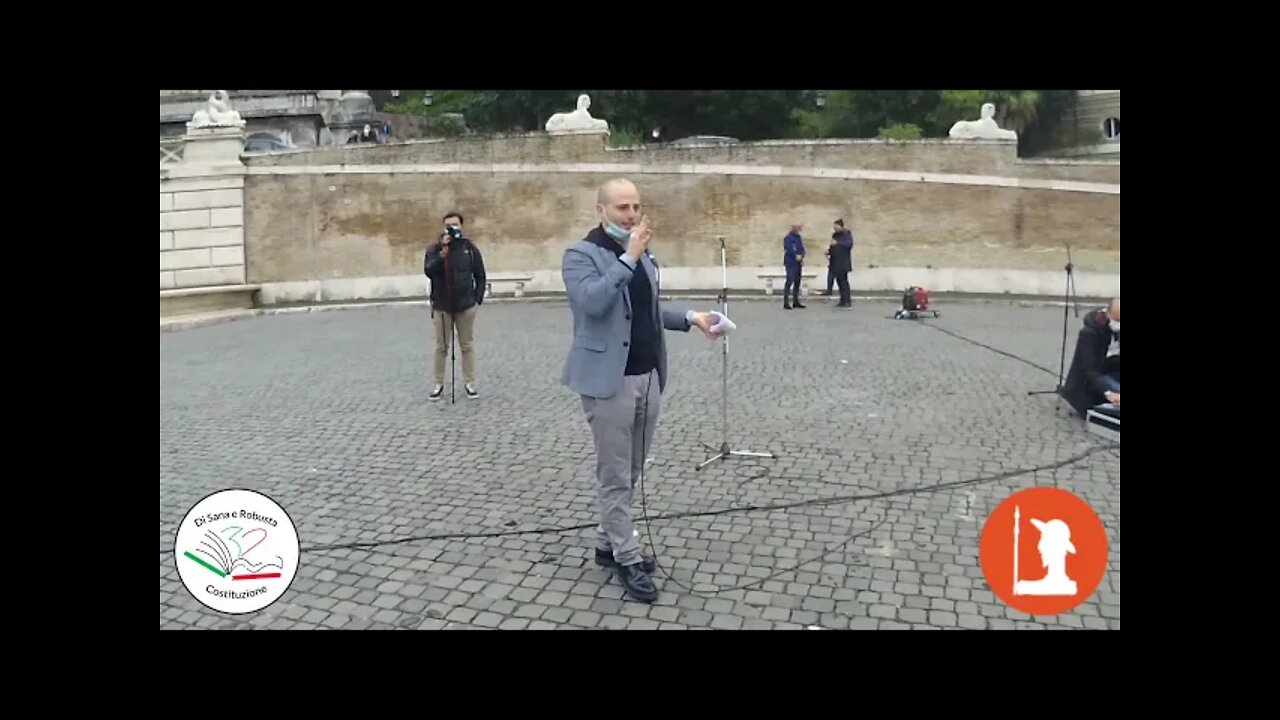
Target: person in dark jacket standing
x: 456, y: 270
x: 1094, y: 378
x: 793, y: 262
x: 840, y: 261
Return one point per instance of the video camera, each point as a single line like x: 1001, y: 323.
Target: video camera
x: 454, y: 231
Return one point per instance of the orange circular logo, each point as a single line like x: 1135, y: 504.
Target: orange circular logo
x: 1043, y: 551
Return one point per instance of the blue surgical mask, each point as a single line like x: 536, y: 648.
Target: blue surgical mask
x: 617, y: 232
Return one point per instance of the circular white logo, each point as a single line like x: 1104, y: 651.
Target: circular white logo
x: 237, y: 551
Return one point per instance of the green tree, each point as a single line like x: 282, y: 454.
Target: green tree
x: 1015, y: 109
x: 442, y: 101
x: 954, y: 106
x: 742, y: 114
x: 516, y: 110
x: 863, y: 113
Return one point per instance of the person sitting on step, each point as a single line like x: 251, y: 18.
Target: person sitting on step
x: 1094, y: 378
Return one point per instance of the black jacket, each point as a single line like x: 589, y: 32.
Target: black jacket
x: 457, y: 280
x: 1083, y: 387
x: 841, y: 251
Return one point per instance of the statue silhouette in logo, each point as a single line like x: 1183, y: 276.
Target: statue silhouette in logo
x: 1055, y: 543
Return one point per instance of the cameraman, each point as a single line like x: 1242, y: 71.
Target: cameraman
x: 456, y: 271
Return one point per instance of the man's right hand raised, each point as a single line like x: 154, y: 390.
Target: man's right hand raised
x: 639, y: 241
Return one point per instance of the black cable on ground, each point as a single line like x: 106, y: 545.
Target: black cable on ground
x: 984, y: 346
x: 845, y: 499
x: 744, y: 509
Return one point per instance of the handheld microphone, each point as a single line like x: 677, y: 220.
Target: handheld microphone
x: 723, y: 324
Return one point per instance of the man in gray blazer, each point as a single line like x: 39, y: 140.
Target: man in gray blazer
x: 618, y: 350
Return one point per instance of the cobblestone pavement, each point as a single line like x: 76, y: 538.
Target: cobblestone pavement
x: 327, y: 413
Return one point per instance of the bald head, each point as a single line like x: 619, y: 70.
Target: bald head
x: 618, y: 202
x: 610, y: 188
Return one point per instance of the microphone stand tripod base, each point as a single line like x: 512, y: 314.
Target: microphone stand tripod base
x: 724, y: 452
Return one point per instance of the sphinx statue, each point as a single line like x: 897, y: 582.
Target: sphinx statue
x: 577, y: 121
x: 217, y: 112
x: 984, y: 128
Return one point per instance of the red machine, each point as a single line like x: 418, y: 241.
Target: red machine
x: 915, y: 302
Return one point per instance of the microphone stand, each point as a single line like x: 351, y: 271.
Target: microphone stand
x: 725, y: 451
x: 453, y: 363
x: 1068, y: 294
x: 450, y: 329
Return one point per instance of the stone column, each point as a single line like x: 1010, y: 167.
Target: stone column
x: 202, y: 204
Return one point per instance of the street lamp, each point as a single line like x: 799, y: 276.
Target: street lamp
x: 821, y: 99
x: 428, y: 98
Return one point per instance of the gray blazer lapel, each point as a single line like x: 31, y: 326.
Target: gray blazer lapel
x: 603, y: 257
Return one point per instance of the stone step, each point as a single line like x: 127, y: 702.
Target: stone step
x: 196, y: 300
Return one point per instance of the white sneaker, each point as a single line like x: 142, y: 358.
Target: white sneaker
x: 471, y: 391
x: 436, y: 392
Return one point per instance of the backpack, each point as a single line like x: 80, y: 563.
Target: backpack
x: 916, y: 298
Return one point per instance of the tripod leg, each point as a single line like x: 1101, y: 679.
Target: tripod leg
x: 710, y: 460
x: 453, y: 363
x: 1075, y: 297
x: 1062, y: 361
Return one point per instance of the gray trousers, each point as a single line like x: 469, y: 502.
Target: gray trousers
x: 622, y: 426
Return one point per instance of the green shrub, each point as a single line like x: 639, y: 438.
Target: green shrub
x: 901, y: 131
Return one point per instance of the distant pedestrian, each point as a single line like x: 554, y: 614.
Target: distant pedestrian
x: 840, y: 261
x: 793, y: 261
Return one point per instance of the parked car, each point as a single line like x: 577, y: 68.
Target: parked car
x: 705, y: 140
x: 264, y: 144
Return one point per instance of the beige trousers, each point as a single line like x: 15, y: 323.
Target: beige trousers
x: 445, y: 323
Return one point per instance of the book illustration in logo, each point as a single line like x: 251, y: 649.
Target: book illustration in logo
x: 224, y: 557
x: 237, y: 551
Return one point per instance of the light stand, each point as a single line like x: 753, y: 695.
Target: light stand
x: 1068, y: 294
x: 724, y: 452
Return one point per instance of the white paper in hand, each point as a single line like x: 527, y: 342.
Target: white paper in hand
x: 721, y: 325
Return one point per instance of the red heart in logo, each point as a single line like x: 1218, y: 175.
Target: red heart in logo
x: 251, y: 547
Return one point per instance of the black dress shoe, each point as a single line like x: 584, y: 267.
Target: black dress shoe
x: 636, y: 582
x: 604, y: 558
